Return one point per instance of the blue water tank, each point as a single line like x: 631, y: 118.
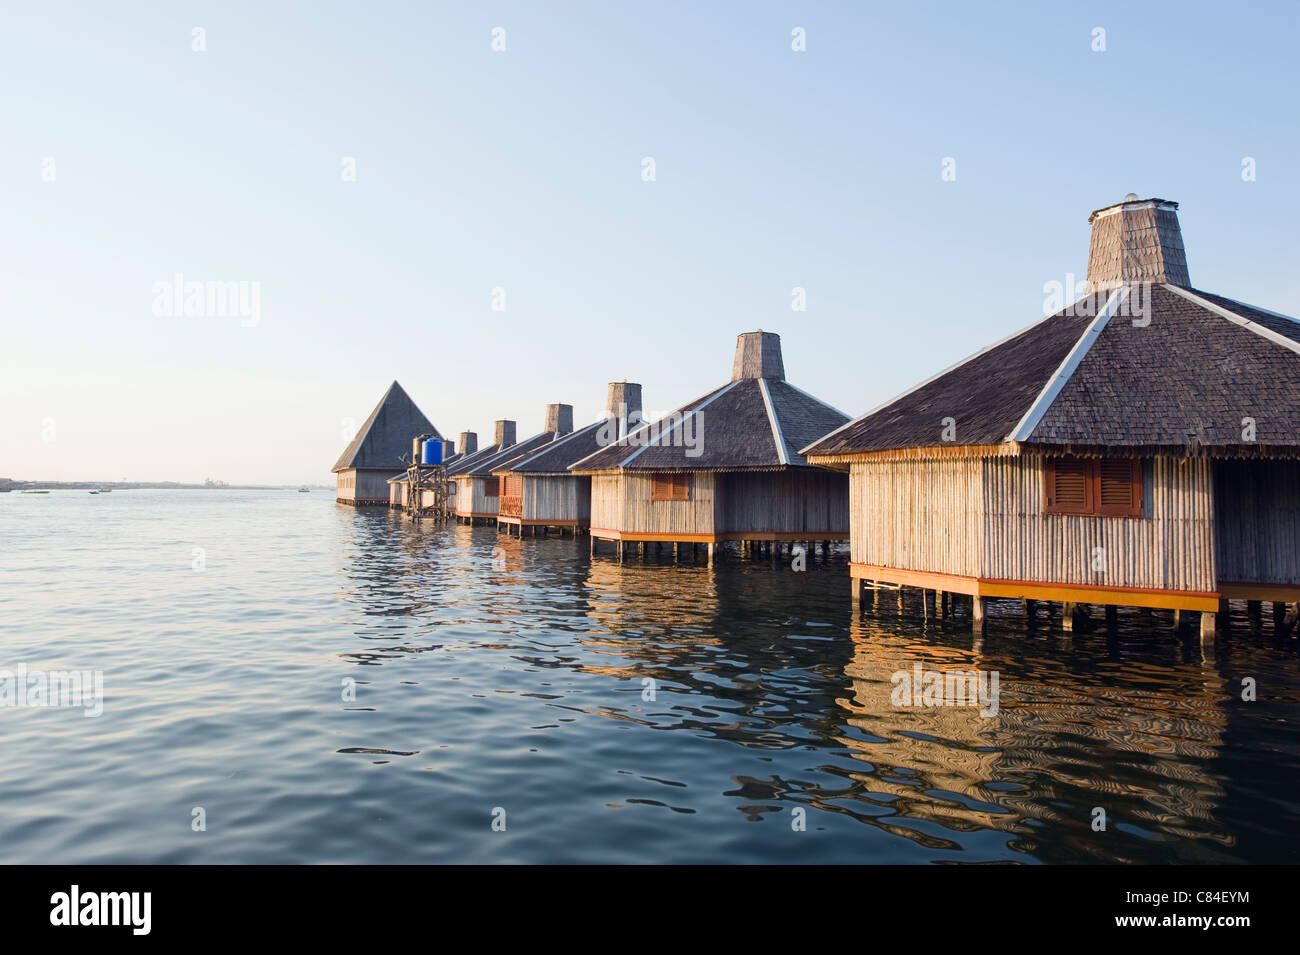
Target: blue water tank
x: 432, y: 452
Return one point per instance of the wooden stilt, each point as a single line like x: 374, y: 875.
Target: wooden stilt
x: 1112, y: 618
x: 1224, y: 619
x: 1208, y: 627
x: 711, y: 547
x: 977, y: 609
x: 856, y: 591
x: 927, y: 603
x: 1067, y: 617
x: 945, y: 603
x: 1180, y: 619
x: 1029, y: 608
x: 1255, y: 614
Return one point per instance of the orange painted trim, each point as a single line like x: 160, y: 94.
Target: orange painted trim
x: 538, y: 522
x: 474, y: 514
x: 681, y: 537
x: 783, y: 536
x: 1036, y: 590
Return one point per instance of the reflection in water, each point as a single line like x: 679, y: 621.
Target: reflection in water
x: 636, y: 712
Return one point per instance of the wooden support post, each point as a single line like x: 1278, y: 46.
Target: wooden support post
x: 1208, y: 627
x: 1029, y: 608
x: 977, y: 609
x: 676, y: 551
x: 900, y: 601
x: 856, y: 585
x: 711, y: 546
x: 1224, y: 620
x: 945, y: 603
x: 1067, y: 617
x: 593, y: 545
x: 1255, y: 614
x: 927, y: 603
x: 1112, y: 618
x: 1180, y: 619
x: 622, y: 550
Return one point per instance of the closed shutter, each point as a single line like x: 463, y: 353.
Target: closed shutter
x: 1068, y: 486
x: 670, y: 487
x: 1120, y: 490
x: 491, y: 487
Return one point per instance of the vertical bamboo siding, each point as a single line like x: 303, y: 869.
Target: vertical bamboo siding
x: 1257, y: 521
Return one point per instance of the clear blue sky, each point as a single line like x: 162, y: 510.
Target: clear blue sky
x: 522, y: 170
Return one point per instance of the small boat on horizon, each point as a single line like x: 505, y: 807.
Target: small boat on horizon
x: 304, y: 490
x: 35, y: 492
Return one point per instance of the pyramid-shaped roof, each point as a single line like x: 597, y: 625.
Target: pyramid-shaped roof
x: 758, y: 421
x: 384, y: 438
x: 1141, y: 367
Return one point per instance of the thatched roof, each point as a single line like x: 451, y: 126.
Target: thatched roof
x: 384, y: 439
x: 1145, y: 368
x: 556, y: 456
x: 484, y: 466
x: 758, y: 421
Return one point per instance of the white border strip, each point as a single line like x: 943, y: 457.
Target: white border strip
x: 951, y: 368
x: 1246, y: 323
x: 548, y: 448
x: 776, y: 425
x: 627, y: 440
x: 1026, y: 425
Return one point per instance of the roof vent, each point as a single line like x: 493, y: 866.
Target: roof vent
x: 758, y: 355
x: 1134, y: 241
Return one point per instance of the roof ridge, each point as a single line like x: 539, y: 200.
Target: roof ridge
x: 552, y: 445
x: 935, y: 377
x: 648, y: 425
x: 1038, y: 407
x: 1240, y: 320
x: 781, y: 451
x: 678, y: 423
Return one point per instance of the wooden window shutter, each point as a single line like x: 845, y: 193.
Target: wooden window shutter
x: 492, y: 487
x: 1119, y: 492
x: 1069, y: 488
x: 670, y: 487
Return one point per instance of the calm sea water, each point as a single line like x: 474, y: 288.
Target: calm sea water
x: 498, y: 674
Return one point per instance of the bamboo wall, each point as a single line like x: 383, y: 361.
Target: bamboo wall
x: 366, y: 486
x: 1257, y: 521
x: 783, y: 501
x: 917, y: 515
x: 471, y: 498
x: 1170, y: 548
x: 637, y: 514
x: 607, y: 501
x: 557, y: 498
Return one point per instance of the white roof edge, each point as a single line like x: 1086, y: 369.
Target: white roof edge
x: 1034, y: 414
x: 1241, y: 320
x: 716, y: 395
x: 936, y: 377
x: 552, y: 445
x: 781, y: 451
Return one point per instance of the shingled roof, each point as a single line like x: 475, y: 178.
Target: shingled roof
x: 384, y: 439
x: 1143, y: 366
x: 757, y: 421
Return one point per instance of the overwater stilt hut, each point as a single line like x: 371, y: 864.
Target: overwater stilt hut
x: 479, y: 476
x: 382, y: 444
x: 725, y: 467
x: 537, y: 489
x: 476, y: 496
x: 1139, y: 447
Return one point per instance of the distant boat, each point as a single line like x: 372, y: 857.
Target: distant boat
x: 105, y: 490
x: 35, y: 492
x: 304, y: 490
x: 94, y: 492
